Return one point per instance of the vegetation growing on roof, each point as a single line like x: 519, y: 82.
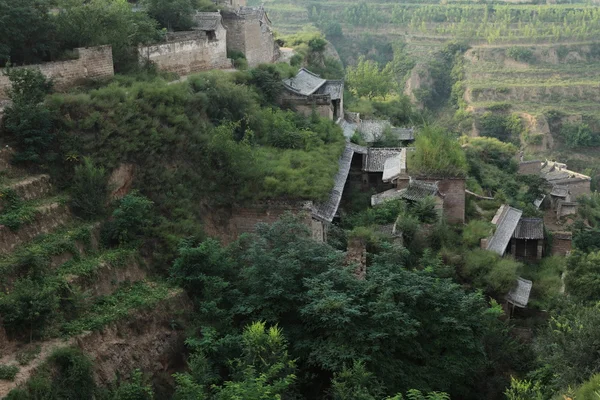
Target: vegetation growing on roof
x: 437, y: 153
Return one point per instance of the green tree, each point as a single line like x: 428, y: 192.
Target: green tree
x: 129, y: 221
x: 264, y: 370
x: 583, y: 277
x: 26, y: 32
x: 368, y: 80
x: 27, y: 120
x: 134, y: 389
x: 105, y: 22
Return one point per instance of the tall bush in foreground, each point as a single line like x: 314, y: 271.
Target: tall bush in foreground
x: 88, y: 191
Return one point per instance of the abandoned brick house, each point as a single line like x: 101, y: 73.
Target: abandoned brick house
x: 372, y: 131
x: 521, y: 237
x: 307, y: 93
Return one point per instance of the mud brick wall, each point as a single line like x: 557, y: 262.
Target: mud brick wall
x: 189, y: 52
x: 577, y: 187
x: 92, y: 63
x: 561, y: 243
x: 228, y: 225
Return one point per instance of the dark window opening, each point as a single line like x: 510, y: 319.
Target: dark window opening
x: 211, y: 35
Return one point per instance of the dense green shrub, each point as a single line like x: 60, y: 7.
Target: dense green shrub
x: 26, y: 121
x: 89, y: 193
x: 8, y: 372
x: 129, y: 221
x: 578, y: 134
x: 519, y: 53
x: 475, y: 231
x: 437, y: 154
x: 487, y: 271
x: 506, y: 128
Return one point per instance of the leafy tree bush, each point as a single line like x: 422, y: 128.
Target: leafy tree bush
x: 129, y: 221
x: 26, y: 120
x: 583, y: 277
x: 135, y: 389
x: 566, y: 346
x: 89, y: 193
x: 29, y: 306
x: 26, y: 32
x: 487, y: 271
x: 331, y: 318
x: 368, y: 80
x: 506, y: 128
x: 519, y: 53
x: 578, y: 134
x: 102, y: 22
x: 475, y: 231
x: 523, y: 390
x: 437, y: 154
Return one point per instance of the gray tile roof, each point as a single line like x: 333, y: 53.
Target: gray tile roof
x: 372, y: 130
x: 376, y: 158
x: 207, y: 21
x: 304, y: 83
x: 555, y: 172
x: 519, y: 295
x: 326, y: 211
x: 358, y: 148
x: 506, y: 221
x: 529, y: 228
x: 418, y: 190
x: 334, y: 88
x: 394, y: 166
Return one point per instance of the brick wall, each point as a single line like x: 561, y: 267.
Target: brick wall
x: 228, y: 225
x: 453, y: 190
x: 530, y: 167
x: 93, y: 63
x: 189, y: 52
x: 561, y: 243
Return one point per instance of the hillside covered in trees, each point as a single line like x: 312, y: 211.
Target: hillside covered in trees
x: 471, y: 273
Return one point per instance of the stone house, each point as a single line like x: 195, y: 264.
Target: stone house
x: 308, y: 93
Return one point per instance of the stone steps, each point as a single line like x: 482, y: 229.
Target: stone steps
x: 33, y: 187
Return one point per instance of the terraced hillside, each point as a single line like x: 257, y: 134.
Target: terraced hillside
x: 61, y: 287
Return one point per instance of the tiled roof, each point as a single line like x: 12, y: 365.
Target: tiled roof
x: 333, y: 88
x: 519, y: 296
x: 529, y: 228
x: 207, y: 21
x: 555, y: 172
x: 388, y: 195
x: 372, y: 130
x: 538, y: 202
x: 418, y: 190
x: 304, y: 83
x: 327, y: 210
x: 358, y: 148
x: 506, y: 221
x: 376, y: 158
x: 394, y: 166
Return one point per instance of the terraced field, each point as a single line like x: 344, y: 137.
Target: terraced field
x: 59, y: 286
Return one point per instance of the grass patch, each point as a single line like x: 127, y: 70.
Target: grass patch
x: 118, y: 305
x: 88, y: 266
x: 28, y: 354
x: 8, y: 372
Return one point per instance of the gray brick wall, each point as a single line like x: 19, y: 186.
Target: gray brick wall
x: 93, y: 63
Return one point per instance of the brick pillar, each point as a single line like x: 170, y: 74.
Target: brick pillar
x: 540, y: 249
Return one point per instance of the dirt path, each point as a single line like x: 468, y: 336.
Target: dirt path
x: 25, y: 372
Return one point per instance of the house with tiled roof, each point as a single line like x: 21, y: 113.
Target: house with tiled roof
x: 308, y: 92
x: 522, y: 237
